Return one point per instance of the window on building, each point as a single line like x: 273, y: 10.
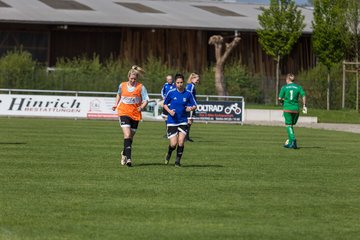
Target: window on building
x: 219, y: 11
x: 139, y: 7
x: 4, y: 5
x: 65, y: 5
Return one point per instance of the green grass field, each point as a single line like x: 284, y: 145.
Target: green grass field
x: 61, y: 179
x: 324, y: 116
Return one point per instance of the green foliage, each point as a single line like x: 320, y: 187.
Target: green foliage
x: 17, y: 69
x: 329, y: 35
x: 207, y: 86
x: 353, y: 23
x: 281, y: 26
x: 241, y: 83
x: 156, y: 71
x: 89, y: 74
x: 115, y: 71
x: 84, y: 74
x: 314, y: 81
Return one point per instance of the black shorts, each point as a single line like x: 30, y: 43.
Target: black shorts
x: 173, y: 131
x: 126, y: 121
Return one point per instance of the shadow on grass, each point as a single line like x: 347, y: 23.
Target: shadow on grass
x: 204, y: 141
x: 202, y: 166
x: 308, y: 147
x: 150, y: 164
x: 11, y: 143
x: 196, y: 139
x: 185, y: 166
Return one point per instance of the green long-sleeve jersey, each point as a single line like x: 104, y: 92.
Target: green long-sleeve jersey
x: 290, y: 93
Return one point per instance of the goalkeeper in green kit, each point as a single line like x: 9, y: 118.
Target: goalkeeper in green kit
x: 289, y: 96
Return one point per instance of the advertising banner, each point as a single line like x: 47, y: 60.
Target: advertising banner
x: 219, y: 111
x: 56, y: 106
x: 101, y: 108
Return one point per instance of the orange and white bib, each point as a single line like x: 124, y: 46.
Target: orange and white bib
x: 130, y: 102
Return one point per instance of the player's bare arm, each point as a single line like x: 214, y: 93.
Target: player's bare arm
x: 189, y: 109
x: 171, y: 112
x: 116, y: 102
x: 143, y: 105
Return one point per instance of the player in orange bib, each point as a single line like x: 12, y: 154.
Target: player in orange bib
x: 131, y: 99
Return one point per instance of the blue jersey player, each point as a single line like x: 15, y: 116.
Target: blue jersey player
x: 169, y: 85
x: 177, y: 103
x: 193, y: 80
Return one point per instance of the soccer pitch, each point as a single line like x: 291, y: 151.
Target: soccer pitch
x: 61, y: 179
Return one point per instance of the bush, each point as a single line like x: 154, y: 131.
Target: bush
x: 17, y: 70
x: 90, y: 75
x: 156, y: 71
x: 207, y: 82
x: 79, y: 74
x: 238, y: 82
x: 314, y: 82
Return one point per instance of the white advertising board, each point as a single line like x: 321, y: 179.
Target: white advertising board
x: 56, y: 106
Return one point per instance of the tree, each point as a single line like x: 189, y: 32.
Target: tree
x: 329, y: 35
x: 281, y: 26
x: 353, y: 23
x: 221, y: 56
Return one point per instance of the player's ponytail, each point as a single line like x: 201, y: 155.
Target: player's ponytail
x: 135, y: 69
x: 192, y: 75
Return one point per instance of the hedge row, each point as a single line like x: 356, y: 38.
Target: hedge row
x: 19, y: 70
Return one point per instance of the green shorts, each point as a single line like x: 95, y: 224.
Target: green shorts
x: 291, y: 118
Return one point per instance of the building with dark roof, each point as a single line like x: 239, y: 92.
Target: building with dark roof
x: 175, y: 31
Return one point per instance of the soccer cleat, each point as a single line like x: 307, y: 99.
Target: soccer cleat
x: 289, y: 145
x: 123, y: 159
x: 177, y: 163
x: 292, y: 145
x: 128, y: 163
x: 167, y: 158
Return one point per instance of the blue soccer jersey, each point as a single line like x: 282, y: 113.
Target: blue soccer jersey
x: 166, y: 88
x: 191, y: 88
x: 178, y: 101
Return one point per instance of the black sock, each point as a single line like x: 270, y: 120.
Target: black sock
x: 179, y: 153
x: 170, y: 150
x: 127, y: 147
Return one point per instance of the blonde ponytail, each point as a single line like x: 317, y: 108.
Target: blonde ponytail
x: 192, y: 75
x: 135, y: 69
